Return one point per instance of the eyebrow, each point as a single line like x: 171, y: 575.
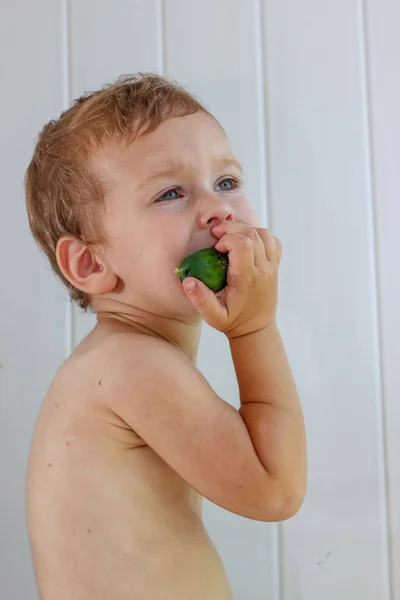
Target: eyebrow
x: 173, y: 168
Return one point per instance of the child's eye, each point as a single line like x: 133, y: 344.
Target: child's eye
x: 237, y: 181
x: 167, y: 195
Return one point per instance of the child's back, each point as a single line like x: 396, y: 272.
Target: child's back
x: 107, y: 517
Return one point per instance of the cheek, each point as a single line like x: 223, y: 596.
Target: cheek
x: 246, y: 215
x: 128, y: 253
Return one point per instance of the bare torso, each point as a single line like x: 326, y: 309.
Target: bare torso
x: 107, y: 517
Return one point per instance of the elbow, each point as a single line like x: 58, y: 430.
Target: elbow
x: 291, y: 503
x: 290, y: 508
x: 287, y: 507
x: 282, y: 501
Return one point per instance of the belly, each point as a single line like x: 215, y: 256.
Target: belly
x: 130, y: 529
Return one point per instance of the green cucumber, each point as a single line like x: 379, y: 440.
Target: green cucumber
x: 208, y: 265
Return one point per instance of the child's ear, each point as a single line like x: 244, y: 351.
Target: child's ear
x: 83, y: 269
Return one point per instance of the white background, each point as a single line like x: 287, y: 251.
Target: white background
x: 309, y: 93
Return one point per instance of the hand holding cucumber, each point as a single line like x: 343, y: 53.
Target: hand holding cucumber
x: 238, y: 290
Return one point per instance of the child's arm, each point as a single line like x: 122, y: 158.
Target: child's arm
x: 159, y: 393
x: 245, y: 311
x: 271, y: 409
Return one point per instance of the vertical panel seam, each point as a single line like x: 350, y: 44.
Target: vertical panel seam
x: 66, y: 98
x: 365, y: 56
x: 264, y: 146
x: 265, y: 164
x: 161, y: 50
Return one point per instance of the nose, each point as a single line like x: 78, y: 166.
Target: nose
x: 213, y: 209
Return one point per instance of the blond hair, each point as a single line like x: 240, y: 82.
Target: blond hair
x: 63, y: 195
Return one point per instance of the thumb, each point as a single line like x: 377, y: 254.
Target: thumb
x: 203, y: 299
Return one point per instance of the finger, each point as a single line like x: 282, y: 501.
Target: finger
x: 278, y: 245
x: 243, y: 228
x: 260, y: 256
x: 241, y: 256
x: 269, y: 241
x: 205, y: 301
x: 228, y: 227
x: 263, y: 240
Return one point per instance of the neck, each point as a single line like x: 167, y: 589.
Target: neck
x: 182, y: 331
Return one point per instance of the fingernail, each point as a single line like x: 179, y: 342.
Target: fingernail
x: 190, y: 285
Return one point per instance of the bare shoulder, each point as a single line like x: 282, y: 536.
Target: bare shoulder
x: 130, y: 367
x: 96, y: 364
x: 108, y: 357
x: 113, y: 354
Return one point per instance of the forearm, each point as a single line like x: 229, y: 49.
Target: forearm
x: 270, y: 407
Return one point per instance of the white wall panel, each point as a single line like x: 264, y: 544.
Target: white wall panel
x: 32, y: 303
x: 383, y: 19
x: 109, y: 39
x: 336, y: 547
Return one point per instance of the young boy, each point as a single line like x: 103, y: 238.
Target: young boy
x: 130, y: 437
